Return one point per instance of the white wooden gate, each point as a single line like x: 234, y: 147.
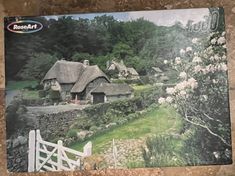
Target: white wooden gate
x: 47, y: 156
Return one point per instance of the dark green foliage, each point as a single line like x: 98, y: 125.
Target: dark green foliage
x: 161, y: 151
x: 139, y: 43
x: 15, y: 117
x: 197, y: 149
x: 79, y: 57
x: 42, y: 93
x: 37, y: 66
x: 54, y: 96
x: 72, y: 133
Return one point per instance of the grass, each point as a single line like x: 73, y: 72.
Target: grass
x: 141, y: 87
x: 18, y: 85
x: 158, y: 121
x: 30, y: 94
x: 22, y: 85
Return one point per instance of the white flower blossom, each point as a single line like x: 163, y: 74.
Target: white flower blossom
x: 170, y: 90
x: 209, y: 50
x: 183, y: 75
x: 213, y: 41
x: 223, y: 33
x: 217, y: 57
x: 224, y: 46
x: 210, y: 68
x: 188, y: 49
x: 181, y: 86
x: 221, y: 40
x: 182, y: 52
x: 165, y: 61
x: 197, y: 68
x: 211, y: 34
x: 224, y: 57
x: 183, y: 93
x: 194, y: 40
x: 216, y: 154
x: 212, y: 58
x: 222, y: 67
x: 169, y: 99
x: 215, y: 81
x: 161, y: 100
x: 197, y: 59
x: 192, y: 83
x: 204, y: 97
x: 178, y: 60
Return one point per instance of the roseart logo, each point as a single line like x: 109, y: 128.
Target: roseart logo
x: 25, y: 26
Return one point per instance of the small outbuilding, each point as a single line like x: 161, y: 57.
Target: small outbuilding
x: 107, y: 92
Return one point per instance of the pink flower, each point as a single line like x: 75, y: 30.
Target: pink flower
x: 177, y: 60
x: 197, y: 68
x: 192, y: 83
x: 181, y: 86
x: 170, y: 90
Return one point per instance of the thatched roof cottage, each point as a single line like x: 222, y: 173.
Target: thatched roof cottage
x: 74, y: 79
x: 123, y: 71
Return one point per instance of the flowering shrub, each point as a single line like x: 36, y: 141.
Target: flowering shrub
x: 201, y: 95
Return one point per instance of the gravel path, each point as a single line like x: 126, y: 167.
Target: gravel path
x: 128, y: 150
x: 10, y: 94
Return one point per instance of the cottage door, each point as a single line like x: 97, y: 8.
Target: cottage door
x: 98, y: 98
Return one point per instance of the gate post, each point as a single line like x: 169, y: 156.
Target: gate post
x: 87, y: 149
x: 59, y: 156
x: 31, y: 152
x: 37, y: 161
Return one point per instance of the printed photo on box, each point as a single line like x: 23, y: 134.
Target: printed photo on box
x: 119, y: 90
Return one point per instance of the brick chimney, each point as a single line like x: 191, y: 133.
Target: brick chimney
x: 86, y: 62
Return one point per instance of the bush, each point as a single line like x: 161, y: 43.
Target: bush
x: 15, y: 117
x: 54, y: 96
x: 72, y: 133
x: 94, y: 128
x: 161, y: 151
x: 42, y: 93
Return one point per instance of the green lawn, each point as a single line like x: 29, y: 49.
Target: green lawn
x: 158, y: 121
x: 18, y: 85
x: 22, y: 85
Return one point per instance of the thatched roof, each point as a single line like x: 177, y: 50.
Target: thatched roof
x: 74, y: 72
x: 65, y: 71
x: 90, y: 73
x: 132, y: 71
x: 113, y: 89
x: 120, y: 66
